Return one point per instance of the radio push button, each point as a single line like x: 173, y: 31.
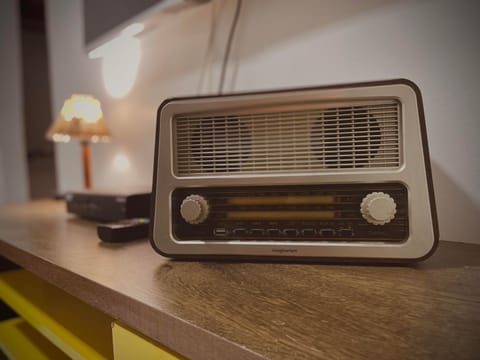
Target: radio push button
x: 345, y: 232
x: 257, y: 232
x: 290, y: 232
x: 326, y: 232
x: 240, y: 232
x: 378, y: 208
x: 309, y: 232
x: 194, y: 209
x: 274, y: 232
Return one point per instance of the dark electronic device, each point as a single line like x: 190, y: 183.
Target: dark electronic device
x: 335, y: 172
x: 105, y: 207
x: 124, y: 230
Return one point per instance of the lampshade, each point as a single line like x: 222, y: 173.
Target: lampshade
x: 80, y: 118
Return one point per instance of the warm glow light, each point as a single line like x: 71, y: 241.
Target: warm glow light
x: 120, y: 66
x: 121, y: 162
x: 120, y: 60
x: 61, y: 138
x: 82, y: 107
x: 80, y: 118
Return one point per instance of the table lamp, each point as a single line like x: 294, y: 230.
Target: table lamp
x: 80, y: 118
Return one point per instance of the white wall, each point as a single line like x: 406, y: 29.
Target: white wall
x: 434, y: 43
x: 287, y: 43
x: 13, y: 169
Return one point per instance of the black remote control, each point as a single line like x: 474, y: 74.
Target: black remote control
x: 123, y: 230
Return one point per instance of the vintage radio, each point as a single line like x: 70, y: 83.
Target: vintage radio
x: 335, y: 172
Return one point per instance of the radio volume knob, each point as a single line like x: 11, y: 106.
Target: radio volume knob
x: 194, y: 209
x: 378, y: 208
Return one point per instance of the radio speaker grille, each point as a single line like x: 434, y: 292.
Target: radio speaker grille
x: 358, y: 136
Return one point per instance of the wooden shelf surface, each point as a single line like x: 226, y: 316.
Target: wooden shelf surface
x: 220, y: 310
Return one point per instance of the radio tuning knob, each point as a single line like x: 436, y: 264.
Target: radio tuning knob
x: 194, y: 209
x: 378, y: 208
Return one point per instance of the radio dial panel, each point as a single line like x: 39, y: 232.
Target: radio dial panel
x: 295, y: 212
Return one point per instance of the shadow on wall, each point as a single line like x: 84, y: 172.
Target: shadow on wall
x: 173, y: 54
x: 280, y: 21
x: 287, y: 19
x: 457, y: 212
x: 290, y: 19
x: 450, y: 256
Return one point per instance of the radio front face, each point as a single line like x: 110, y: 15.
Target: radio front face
x: 317, y: 173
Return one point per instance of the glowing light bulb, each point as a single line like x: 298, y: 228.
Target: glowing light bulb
x: 82, y: 107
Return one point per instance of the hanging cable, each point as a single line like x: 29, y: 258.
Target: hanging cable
x: 229, y: 46
x: 215, y: 10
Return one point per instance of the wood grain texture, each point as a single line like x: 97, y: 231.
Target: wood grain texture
x: 218, y: 310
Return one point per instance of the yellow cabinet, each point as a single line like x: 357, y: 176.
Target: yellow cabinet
x: 18, y: 340
x: 79, y: 330
x: 128, y: 345
x: 54, y: 325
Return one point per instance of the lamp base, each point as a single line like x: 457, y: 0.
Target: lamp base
x: 86, y: 164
